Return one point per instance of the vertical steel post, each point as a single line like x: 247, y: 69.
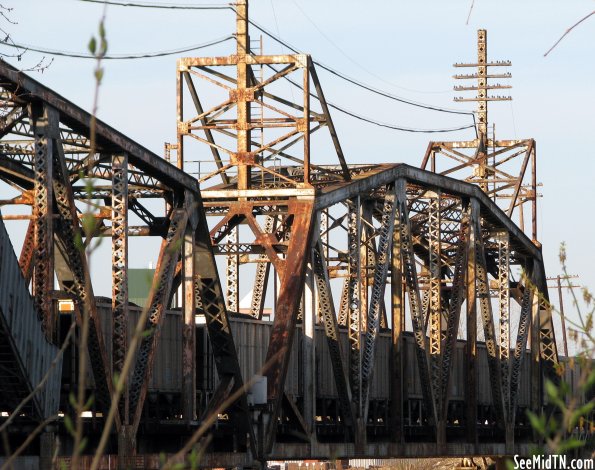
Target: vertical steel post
x: 471, y: 346
x: 306, y: 125
x: 43, y: 273
x: 354, y: 307
x: 242, y: 99
x: 232, y: 271
x: 410, y: 275
x: 381, y: 268
x: 398, y: 321
x: 485, y: 304
x: 180, y: 116
x: 503, y: 242
x: 309, y: 350
x: 189, y: 328
x: 435, y: 309
x: 120, y: 271
x: 28, y: 252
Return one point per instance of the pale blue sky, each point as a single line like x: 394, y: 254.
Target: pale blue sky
x: 410, y: 44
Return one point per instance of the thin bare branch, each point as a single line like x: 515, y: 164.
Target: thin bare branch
x: 568, y: 31
x: 8, y: 462
x: 470, y: 10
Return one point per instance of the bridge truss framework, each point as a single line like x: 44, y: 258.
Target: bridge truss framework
x: 366, y: 248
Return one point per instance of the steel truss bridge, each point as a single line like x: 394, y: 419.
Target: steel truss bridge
x: 391, y: 286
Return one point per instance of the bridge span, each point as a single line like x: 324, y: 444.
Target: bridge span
x: 393, y: 311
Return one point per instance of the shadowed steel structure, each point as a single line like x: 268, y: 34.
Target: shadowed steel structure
x: 377, y: 275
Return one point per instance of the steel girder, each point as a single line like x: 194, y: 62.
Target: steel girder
x: 119, y: 234
x: 60, y: 132
x: 444, y: 251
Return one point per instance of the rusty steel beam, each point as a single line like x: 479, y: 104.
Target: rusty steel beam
x: 189, y: 324
x: 397, y: 381
x: 454, y: 309
x: 331, y: 330
x: 354, y: 317
x: 483, y: 296
x: 119, y: 219
x: 28, y: 252
x: 156, y: 305
x: 79, y: 278
x: 45, y: 121
x: 382, y: 262
x: 503, y: 260
x: 434, y: 312
x: 107, y: 137
x: 232, y: 271
x: 261, y: 279
x: 209, y: 301
x: 292, y: 282
x: 410, y: 276
x: 527, y: 301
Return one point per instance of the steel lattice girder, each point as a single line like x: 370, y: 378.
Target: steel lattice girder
x: 366, y: 183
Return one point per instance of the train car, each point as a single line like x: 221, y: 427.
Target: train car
x: 251, y: 340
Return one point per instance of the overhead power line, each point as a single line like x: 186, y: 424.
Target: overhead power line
x: 396, y: 127
x: 160, y: 5
x: 361, y: 84
x: 327, y: 68
x: 145, y: 55
x: 375, y: 122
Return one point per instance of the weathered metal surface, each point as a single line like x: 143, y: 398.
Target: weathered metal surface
x: 26, y: 354
x: 441, y: 239
x: 158, y: 297
x: 120, y: 270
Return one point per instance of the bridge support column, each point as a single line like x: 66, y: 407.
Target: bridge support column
x: 309, y: 353
x: 47, y: 447
x: 510, y: 438
x: 441, y: 436
x: 126, y: 446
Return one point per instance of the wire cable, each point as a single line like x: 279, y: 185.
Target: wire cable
x: 327, y: 68
x: 355, y: 62
x: 148, y: 55
x: 276, y: 38
x: 168, y: 6
x: 395, y: 127
x: 374, y: 121
x: 361, y: 84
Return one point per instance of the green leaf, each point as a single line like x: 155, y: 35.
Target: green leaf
x: 551, y: 389
x: 92, y: 45
x: 83, y: 444
x: 103, y: 47
x: 89, y: 224
x: 590, y: 381
x: 69, y: 425
x: 569, y: 444
x: 72, y: 400
x: 148, y: 332
x: 78, y: 242
x: 582, y: 411
x: 193, y: 459
x: 537, y: 422
x: 90, y: 402
x: 99, y: 75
